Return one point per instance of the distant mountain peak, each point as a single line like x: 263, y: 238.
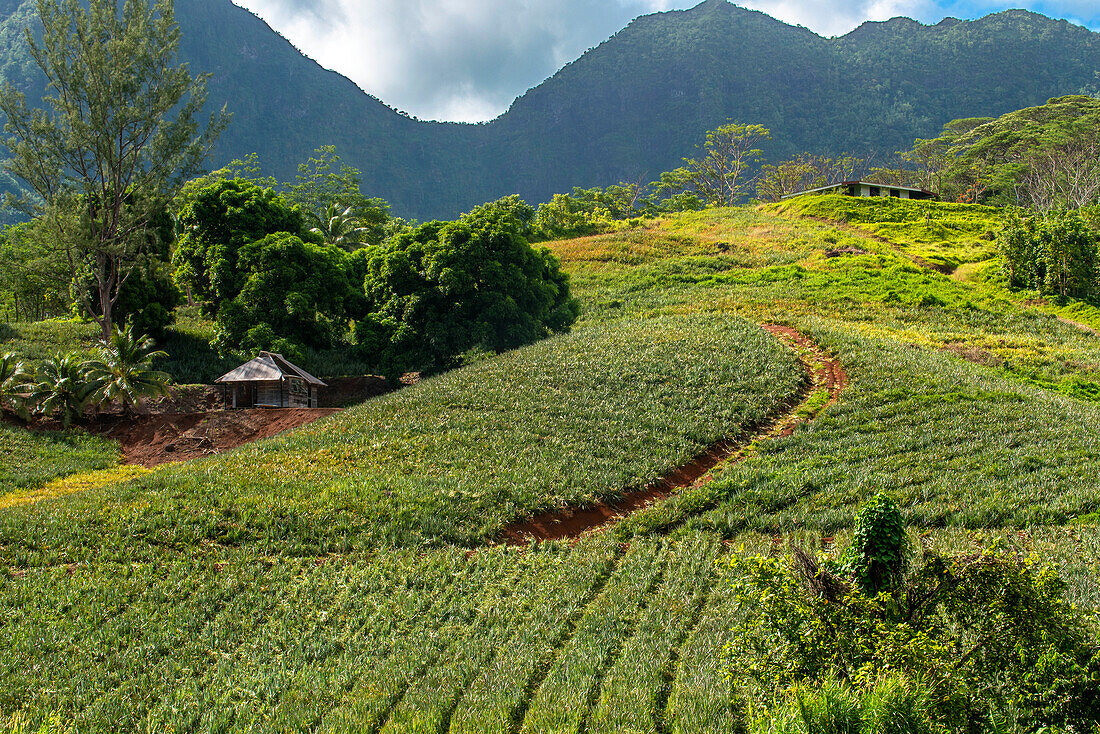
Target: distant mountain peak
x: 632, y: 107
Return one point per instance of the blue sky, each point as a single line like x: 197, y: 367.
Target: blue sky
x: 466, y: 60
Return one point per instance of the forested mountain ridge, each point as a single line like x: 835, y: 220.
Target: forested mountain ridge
x: 627, y: 109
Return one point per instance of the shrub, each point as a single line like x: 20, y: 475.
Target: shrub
x: 987, y: 632
x: 61, y: 388
x: 879, y: 551
x: 891, y: 705
x: 1057, y: 254
x: 13, y: 384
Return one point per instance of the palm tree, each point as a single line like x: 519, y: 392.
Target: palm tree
x: 61, y: 387
x: 341, y: 228
x: 13, y: 383
x: 124, y: 370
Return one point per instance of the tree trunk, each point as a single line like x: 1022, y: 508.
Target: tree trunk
x: 106, y: 308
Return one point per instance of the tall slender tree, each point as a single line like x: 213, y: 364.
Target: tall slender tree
x: 118, y: 135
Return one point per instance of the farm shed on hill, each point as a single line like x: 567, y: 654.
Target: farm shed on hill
x: 270, y: 381
x: 865, y: 188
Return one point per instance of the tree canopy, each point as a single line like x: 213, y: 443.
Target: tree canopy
x: 444, y: 289
x: 217, y: 222
x: 1045, y: 157
x: 293, y: 294
x: 119, y: 135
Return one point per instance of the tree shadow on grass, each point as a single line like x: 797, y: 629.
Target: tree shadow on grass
x: 191, y: 359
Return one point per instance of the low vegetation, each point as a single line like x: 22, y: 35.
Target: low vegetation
x: 569, y: 421
x: 29, y: 460
x: 347, y: 571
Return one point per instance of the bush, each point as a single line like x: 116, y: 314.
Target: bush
x: 61, y: 388
x: 1057, y: 254
x: 988, y: 633
x: 891, y: 705
x: 879, y: 551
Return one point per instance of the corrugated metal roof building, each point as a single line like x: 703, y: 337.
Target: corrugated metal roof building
x: 867, y: 188
x: 270, y: 381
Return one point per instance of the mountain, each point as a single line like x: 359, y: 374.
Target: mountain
x: 628, y: 109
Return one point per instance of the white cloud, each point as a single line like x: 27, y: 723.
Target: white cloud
x: 466, y: 60
x: 448, y: 59
x: 837, y: 17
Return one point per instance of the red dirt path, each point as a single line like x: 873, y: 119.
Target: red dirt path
x: 824, y: 371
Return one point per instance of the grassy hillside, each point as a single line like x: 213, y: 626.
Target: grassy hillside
x: 340, y: 577
x: 454, y: 458
x: 29, y: 460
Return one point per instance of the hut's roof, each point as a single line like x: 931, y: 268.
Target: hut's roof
x: 266, y: 367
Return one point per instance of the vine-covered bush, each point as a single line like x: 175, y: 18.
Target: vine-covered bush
x: 989, y: 636
x: 1057, y: 254
x: 880, y: 548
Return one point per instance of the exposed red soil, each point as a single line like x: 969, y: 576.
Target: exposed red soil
x: 189, y: 423
x: 824, y: 372
x: 150, y: 440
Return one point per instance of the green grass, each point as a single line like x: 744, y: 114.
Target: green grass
x: 568, y: 421
x: 945, y: 234
x: 338, y: 577
x: 29, y: 460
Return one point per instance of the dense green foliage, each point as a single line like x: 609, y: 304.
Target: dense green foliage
x: 1055, y: 254
x: 990, y: 635
x: 878, y: 557
x: 445, y: 289
x: 293, y: 293
x: 217, y: 221
x: 328, y: 191
x: 115, y: 137
x: 148, y: 298
x: 34, y: 277
x: 1045, y: 157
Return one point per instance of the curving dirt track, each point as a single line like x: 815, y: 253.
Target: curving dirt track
x: 824, y: 372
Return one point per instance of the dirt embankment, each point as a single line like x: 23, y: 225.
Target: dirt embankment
x: 825, y: 373
x: 190, y: 422
x: 150, y: 440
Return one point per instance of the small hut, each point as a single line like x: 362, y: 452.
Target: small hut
x: 270, y: 381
